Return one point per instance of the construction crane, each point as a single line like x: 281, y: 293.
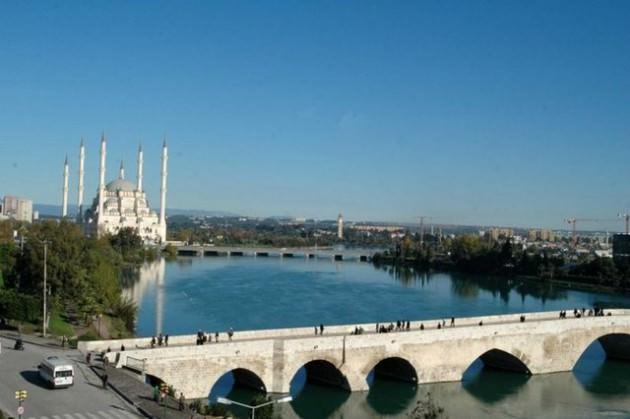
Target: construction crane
x: 626, y: 218
x: 573, y: 222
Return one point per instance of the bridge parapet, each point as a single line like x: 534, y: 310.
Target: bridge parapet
x: 183, y: 340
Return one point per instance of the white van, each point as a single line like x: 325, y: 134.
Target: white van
x: 57, y: 372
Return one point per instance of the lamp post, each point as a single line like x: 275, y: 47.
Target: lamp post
x: 225, y: 401
x: 44, y: 322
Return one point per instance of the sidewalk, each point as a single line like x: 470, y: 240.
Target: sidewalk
x: 140, y: 394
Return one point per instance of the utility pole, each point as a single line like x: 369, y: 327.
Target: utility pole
x: 45, y: 317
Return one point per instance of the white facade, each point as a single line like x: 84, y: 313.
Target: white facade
x: 120, y: 204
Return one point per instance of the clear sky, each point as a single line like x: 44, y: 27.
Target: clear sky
x: 491, y: 112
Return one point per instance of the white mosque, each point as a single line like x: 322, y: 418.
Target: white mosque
x: 120, y: 203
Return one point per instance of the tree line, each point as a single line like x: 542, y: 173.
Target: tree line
x: 474, y: 254
x: 83, y: 273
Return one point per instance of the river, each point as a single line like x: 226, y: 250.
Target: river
x: 216, y: 293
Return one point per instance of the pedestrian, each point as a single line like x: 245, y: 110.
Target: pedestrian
x: 122, y: 348
x: 421, y: 326
x: 156, y: 394
x: 321, y: 328
x: 160, y: 339
x: 216, y: 337
x: 439, y: 325
x: 230, y: 334
x: 104, y: 378
x: 63, y: 341
x: 152, y: 342
x: 315, y: 330
x: 166, y: 340
x: 88, y: 358
x: 377, y: 329
x: 181, y: 402
x: 452, y: 321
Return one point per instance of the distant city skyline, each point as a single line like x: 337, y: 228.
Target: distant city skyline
x: 473, y: 113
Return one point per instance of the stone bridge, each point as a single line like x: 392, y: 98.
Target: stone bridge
x: 269, y: 359
x: 363, y: 255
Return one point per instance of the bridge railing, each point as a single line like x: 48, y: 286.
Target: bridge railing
x: 136, y: 364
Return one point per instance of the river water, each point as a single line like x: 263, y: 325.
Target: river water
x: 216, y: 293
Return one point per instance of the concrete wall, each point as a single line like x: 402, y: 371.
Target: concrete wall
x: 543, y: 343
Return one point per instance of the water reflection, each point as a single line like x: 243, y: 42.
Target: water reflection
x: 136, y: 284
x: 388, y: 397
x: 492, y: 386
x: 318, y: 401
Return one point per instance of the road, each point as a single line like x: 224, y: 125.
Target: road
x: 85, y: 400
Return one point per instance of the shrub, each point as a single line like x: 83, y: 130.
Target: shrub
x: 22, y: 307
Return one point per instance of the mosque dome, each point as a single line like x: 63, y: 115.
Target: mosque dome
x: 120, y: 185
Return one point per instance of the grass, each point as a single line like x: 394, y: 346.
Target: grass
x: 58, y: 326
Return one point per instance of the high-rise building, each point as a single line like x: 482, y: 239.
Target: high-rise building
x: 500, y: 233
x: 541, y: 235
x: 621, y: 248
x: 19, y: 209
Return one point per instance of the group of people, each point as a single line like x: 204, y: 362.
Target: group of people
x: 577, y: 313
x: 320, y: 330
x: 161, y: 340
x: 202, y: 337
x: 401, y: 325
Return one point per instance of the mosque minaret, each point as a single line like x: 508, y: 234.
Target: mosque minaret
x: 64, y: 199
x: 81, y: 176
x: 119, y: 203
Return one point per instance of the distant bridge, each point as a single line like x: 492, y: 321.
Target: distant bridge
x: 285, y: 252
x: 268, y: 360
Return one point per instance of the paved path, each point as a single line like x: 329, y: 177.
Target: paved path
x: 140, y: 394
x: 85, y: 400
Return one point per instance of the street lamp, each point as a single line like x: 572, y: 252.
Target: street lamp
x: 45, y: 243
x: 225, y: 401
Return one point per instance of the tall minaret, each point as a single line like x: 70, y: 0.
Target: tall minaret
x: 163, y: 192
x: 140, y: 164
x: 121, y: 173
x: 340, y: 227
x: 101, y: 178
x: 81, y: 174
x: 64, y: 200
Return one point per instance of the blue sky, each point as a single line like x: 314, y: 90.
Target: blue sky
x: 490, y: 112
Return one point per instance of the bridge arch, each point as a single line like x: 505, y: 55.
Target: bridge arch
x: 616, y: 346
x: 500, y: 359
x: 319, y: 371
x: 394, y: 368
x: 231, y: 379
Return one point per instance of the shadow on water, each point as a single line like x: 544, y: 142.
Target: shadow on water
x: 492, y: 386
x: 228, y: 387
x: 315, y: 401
x: 601, y: 376
x: 387, y: 397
